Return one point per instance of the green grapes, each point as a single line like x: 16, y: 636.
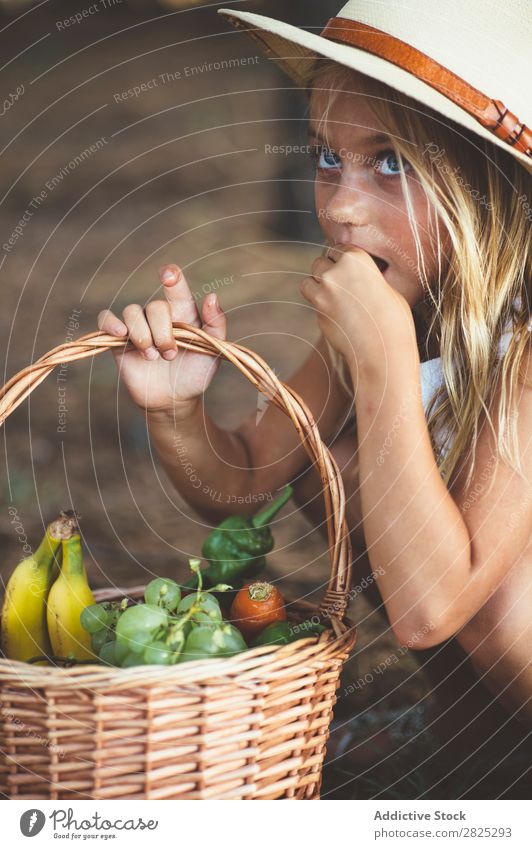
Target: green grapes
x: 95, y: 618
x: 163, y: 592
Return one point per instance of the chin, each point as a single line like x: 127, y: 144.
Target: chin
x: 412, y: 298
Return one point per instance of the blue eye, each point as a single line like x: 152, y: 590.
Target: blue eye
x: 324, y: 157
x: 389, y: 157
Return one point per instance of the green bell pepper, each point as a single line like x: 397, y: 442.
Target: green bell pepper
x: 281, y: 633
x: 236, y: 549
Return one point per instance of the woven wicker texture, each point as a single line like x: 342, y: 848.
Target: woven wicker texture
x: 253, y: 726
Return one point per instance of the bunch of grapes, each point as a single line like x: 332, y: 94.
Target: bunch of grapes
x: 165, y: 629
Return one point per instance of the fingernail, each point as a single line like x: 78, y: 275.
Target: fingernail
x: 169, y: 355
x: 213, y: 300
x: 151, y: 353
x: 168, y: 275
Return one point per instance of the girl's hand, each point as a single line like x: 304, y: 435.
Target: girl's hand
x: 358, y: 311
x: 160, y: 377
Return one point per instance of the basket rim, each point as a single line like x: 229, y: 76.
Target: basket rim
x: 258, y: 372
x: 250, y: 665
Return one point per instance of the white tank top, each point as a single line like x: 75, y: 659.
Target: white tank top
x: 431, y: 376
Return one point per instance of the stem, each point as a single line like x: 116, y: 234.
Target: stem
x: 191, y: 584
x: 65, y: 526
x: 265, y: 516
x: 196, y: 580
x: 73, y: 556
x: 46, y: 553
x: 178, y: 626
x: 195, y: 566
x: 260, y: 591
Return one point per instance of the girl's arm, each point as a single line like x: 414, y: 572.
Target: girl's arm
x: 436, y: 556
x: 220, y: 472
x: 209, y: 466
x: 440, y: 554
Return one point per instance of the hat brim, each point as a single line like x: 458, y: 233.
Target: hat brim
x: 295, y: 50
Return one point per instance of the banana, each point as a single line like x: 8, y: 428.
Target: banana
x: 23, y: 631
x: 69, y: 595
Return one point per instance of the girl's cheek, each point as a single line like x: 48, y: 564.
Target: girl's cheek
x: 321, y: 199
x: 318, y: 201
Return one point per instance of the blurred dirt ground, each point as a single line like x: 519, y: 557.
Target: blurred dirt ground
x: 178, y: 172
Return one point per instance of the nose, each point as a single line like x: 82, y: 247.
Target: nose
x: 349, y: 203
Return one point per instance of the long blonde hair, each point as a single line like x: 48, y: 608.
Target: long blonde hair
x: 476, y: 191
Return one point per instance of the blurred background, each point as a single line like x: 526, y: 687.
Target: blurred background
x: 105, y: 183
x: 124, y: 147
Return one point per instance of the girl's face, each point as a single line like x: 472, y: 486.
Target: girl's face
x: 358, y: 193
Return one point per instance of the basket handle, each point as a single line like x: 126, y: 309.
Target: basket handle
x: 258, y: 372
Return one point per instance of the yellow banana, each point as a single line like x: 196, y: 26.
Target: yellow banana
x: 23, y: 631
x: 69, y: 595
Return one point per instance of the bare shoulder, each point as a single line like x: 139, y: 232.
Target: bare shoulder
x: 497, y: 504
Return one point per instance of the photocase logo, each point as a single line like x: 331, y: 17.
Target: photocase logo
x: 32, y: 822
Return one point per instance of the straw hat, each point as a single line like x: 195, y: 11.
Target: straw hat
x: 469, y: 60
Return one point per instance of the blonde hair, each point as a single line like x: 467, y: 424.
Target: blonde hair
x: 475, y: 190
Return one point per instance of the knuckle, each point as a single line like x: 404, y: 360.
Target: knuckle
x: 157, y: 308
x: 187, y: 303
x: 143, y: 340
x: 353, y: 256
x: 139, y: 334
x: 131, y: 311
x: 323, y: 265
x: 187, y: 310
x: 163, y: 337
x: 140, y: 340
x: 316, y: 265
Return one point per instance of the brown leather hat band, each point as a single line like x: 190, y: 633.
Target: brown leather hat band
x: 492, y: 114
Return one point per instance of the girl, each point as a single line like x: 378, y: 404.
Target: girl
x: 423, y: 298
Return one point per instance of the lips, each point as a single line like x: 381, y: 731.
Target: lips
x: 381, y: 264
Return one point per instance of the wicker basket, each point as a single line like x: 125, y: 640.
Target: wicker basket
x: 253, y: 726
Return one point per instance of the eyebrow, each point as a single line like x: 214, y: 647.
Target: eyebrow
x: 372, y: 138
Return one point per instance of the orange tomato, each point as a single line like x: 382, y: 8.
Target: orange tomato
x: 255, y: 607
